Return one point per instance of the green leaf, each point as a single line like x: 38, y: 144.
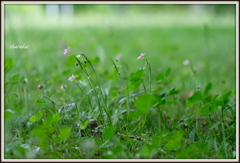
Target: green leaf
x: 84, y: 125
x: 146, y: 152
x: 170, y: 80
x: 135, y: 80
x: 228, y: 106
x: 160, y: 77
x: 56, y: 117
x: 44, y: 144
x: 214, y: 98
x: 135, y: 114
x: 48, y: 121
x: 64, y: 133
x: 163, y: 102
x: 205, y: 110
x: 225, y: 97
x: 185, y: 153
x: 22, y: 79
x: 118, y: 149
x: 167, y: 71
x: 144, y: 102
x: 39, y: 132
x: 176, y: 142
x: 40, y: 114
x: 156, y: 141
x: 15, y: 79
x: 8, y: 64
x: 158, y: 98
x: 35, y: 118
x: 135, y: 77
x: 207, y: 88
x: 197, y: 96
x: 215, y: 105
x: 108, y: 132
x: 173, y: 92
x: 207, y: 99
x: 41, y: 101
x: 163, y: 94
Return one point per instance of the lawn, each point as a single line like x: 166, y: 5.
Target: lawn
x: 125, y: 108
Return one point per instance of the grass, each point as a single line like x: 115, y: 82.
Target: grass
x: 154, y: 108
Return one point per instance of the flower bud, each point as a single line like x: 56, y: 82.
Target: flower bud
x: 63, y: 87
x: 40, y: 86
x: 25, y: 81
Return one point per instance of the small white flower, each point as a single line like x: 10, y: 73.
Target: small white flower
x: 186, y: 62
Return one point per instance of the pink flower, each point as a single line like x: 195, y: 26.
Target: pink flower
x: 118, y: 56
x: 141, y: 56
x: 67, y: 50
x: 71, y: 78
x: 186, y: 62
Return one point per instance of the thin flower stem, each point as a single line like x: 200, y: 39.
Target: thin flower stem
x: 25, y: 96
x: 89, y: 101
x: 144, y: 86
x: 94, y: 72
x: 91, y: 83
x: 79, y: 117
x: 105, y: 101
x: 99, y: 102
x: 149, y: 76
x: 64, y: 95
x: 191, y: 67
x: 51, y: 101
x: 42, y: 92
x: 128, y: 95
x: 118, y: 72
x: 128, y: 106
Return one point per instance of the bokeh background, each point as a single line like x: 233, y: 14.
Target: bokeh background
x: 168, y: 34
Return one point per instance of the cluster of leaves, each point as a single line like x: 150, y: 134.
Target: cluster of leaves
x: 153, y: 127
